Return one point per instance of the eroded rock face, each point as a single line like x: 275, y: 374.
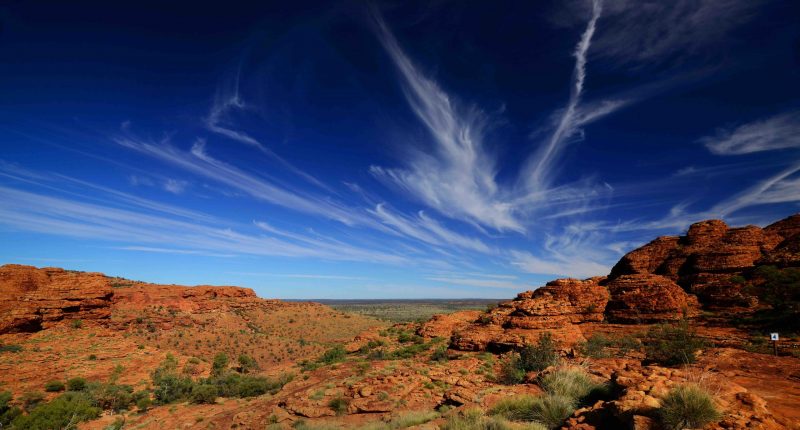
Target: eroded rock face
x: 709, y: 258
x: 645, y: 298
x: 557, y: 307
x: 32, y: 299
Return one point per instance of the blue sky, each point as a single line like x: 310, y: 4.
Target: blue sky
x: 388, y: 150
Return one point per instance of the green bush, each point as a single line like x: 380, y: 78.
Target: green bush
x: 572, y: 383
x: 475, y: 419
x: 62, y: 412
x: 142, y: 399
x: 780, y: 287
x: 247, y: 364
x: 7, y: 412
x: 539, y: 356
x: 111, y: 396
x: 76, y: 384
x: 204, y: 394
x: 551, y: 410
x: 687, y: 406
x: 515, y: 408
x: 339, y: 405
x: 511, y: 370
x: 595, y: 346
x: 336, y: 354
x: 672, y: 344
x: 220, y: 364
x: 31, y: 399
x: 54, y: 386
x: 10, y: 348
x: 440, y: 354
x: 76, y: 323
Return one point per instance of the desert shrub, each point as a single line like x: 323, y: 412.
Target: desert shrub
x: 54, y: 386
x: 10, y: 348
x: 31, y: 399
x: 168, y: 386
x: 551, y: 410
x: 780, y: 287
x: 118, y: 424
x: 247, y: 364
x: 204, y: 394
x: 142, y: 400
x: 515, y: 408
x: 62, y: 412
x: 412, y: 418
x: 572, y: 383
x: 76, y: 323
x: 409, y: 351
x: 672, y: 344
x: 339, y: 405
x: 440, y: 354
x: 595, y: 347
x: 540, y: 355
x: 220, y: 364
x: 687, y: 406
x: 7, y: 412
x: 475, y: 419
x: 511, y: 370
x: 92, y: 357
x: 405, y: 337
x: 336, y: 354
x: 76, y: 384
x: 111, y: 396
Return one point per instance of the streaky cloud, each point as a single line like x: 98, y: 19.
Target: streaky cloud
x: 777, y: 132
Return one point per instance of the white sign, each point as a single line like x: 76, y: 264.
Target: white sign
x: 773, y: 336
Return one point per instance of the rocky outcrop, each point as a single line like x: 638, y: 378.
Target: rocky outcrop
x: 709, y: 259
x: 445, y: 325
x: 645, y: 298
x: 32, y: 299
x: 557, y: 307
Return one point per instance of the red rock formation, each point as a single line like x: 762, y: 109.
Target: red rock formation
x: 557, y: 307
x: 446, y: 324
x: 707, y: 260
x: 32, y: 299
x: 644, y: 298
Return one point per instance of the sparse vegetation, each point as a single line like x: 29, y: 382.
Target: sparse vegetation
x: 10, y: 348
x: 339, y: 405
x: 672, y: 344
x: 539, y: 356
x: 54, y: 386
x: 687, y: 406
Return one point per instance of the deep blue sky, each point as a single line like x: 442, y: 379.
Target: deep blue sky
x: 402, y: 149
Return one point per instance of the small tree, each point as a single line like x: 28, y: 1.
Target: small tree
x: 539, y: 356
x: 672, y: 344
x: 220, y: 364
x: 247, y: 364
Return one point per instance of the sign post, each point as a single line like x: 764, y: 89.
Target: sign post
x: 774, y: 338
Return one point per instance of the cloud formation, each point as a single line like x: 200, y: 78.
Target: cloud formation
x: 777, y: 132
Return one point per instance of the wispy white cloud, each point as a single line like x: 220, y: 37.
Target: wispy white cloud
x: 175, y: 186
x: 457, y: 178
x: 557, y: 265
x: 70, y: 217
x: 173, y: 251
x: 229, y: 100
x: 199, y: 162
x: 483, y: 283
x: 426, y: 229
x: 303, y: 276
x: 650, y: 31
x: 777, y: 132
x: 538, y: 173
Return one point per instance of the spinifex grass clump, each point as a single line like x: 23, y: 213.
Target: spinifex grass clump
x: 687, y: 406
x: 565, y: 389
